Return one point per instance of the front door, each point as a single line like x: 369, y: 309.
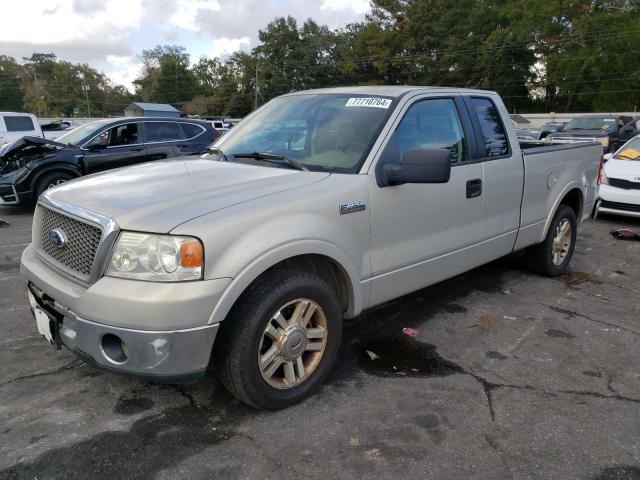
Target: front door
x: 424, y: 233
x: 118, y: 146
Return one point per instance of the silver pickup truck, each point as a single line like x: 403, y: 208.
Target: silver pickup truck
x: 317, y: 206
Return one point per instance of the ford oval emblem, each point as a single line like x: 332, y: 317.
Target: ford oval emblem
x: 57, y: 238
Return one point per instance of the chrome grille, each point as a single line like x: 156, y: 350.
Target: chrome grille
x: 80, y: 246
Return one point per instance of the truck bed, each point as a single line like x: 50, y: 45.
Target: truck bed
x: 551, y: 170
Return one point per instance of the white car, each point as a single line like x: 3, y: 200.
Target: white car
x: 17, y: 125
x: 620, y: 181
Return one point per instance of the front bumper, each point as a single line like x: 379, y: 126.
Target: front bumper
x: 151, y: 330
x: 10, y: 196
x: 618, y: 201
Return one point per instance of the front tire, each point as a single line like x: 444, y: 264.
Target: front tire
x: 281, y: 339
x: 49, y: 181
x: 552, y: 256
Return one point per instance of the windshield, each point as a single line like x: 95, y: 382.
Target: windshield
x: 331, y: 132
x: 629, y: 151
x: 606, y: 124
x: 77, y: 135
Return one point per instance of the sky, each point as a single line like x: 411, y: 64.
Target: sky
x: 110, y: 34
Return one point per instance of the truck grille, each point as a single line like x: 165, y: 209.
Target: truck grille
x: 81, y: 241
x: 629, y: 207
x: 626, y: 184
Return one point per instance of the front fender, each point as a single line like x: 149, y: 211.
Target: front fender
x: 267, y: 259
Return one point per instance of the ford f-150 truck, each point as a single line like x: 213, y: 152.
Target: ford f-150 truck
x: 317, y: 206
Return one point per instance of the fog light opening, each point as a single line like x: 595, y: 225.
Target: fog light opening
x: 114, y: 348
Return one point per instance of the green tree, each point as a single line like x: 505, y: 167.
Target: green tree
x: 166, y: 76
x: 11, y: 95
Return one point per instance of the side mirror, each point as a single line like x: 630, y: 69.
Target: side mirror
x: 629, y: 130
x: 607, y: 156
x: 420, y: 166
x: 96, y: 147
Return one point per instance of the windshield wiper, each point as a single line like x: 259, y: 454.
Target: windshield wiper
x: 272, y: 158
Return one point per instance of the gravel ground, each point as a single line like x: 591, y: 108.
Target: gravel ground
x: 511, y: 375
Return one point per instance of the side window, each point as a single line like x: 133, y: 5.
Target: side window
x: 117, y: 136
x: 431, y: 124
x: 191, y: 130
x: 495, y: 138
x: 18, y: 124
x: 162, y: 131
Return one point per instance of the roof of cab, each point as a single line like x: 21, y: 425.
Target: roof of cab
x: 395, y: 91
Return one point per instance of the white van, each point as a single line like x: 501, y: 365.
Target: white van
x: 17, y: 125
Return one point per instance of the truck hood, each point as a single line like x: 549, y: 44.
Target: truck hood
x: 158, y: 196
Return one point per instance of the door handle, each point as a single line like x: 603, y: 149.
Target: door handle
x: 474, y: 188
x: 181, y: 145
x: 137, y: 149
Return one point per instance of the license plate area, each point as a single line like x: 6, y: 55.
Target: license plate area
x: 47, y: 323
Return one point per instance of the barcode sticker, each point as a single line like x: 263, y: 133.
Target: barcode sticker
x: 371, y: 102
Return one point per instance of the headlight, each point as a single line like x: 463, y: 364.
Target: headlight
x: 156, y: 258
x: 604, y: 141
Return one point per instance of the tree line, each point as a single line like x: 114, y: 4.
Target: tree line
x: 555, y: 55
x: 49, y: 87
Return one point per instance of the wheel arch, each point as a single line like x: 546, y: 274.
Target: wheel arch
x: 573, y: 196
x: 58, y: 167
x: 323, y: 259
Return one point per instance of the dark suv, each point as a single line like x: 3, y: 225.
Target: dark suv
x: 31, y: 165
x: 610, y: 131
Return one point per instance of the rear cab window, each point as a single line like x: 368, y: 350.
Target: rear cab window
x: 15, y: 123
x: 494, y: 136
x: 162, y: 131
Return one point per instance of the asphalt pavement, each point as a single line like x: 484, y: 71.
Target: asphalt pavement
x: 510, y: 376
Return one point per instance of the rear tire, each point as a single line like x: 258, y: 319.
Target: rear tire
x: 552, y: 256
x: 264, y: 321
x: 51, y: 180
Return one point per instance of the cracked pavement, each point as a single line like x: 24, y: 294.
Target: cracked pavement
x: 511, y: 376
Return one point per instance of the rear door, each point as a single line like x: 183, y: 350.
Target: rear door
x: 424, y: 233
x: 503, y: 173
x: 163, y: 139
x: 114, y: 147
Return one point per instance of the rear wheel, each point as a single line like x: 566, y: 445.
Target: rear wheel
x: 552, y: 256
x: 280, y: 341
x: 51, y: 180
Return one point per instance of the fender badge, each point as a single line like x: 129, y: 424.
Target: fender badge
x: 352, y: 207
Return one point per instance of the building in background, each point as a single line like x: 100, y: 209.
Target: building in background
x: 141, y: 109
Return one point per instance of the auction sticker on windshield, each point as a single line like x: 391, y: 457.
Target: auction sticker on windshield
x: 368, y: 102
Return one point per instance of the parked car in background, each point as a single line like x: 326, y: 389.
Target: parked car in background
x: 318, y: 205
x: 550, y: 127
x: 536, y: 134
x: 16, y: 125
x: 610, y: 131
x: 57, y: 128
x: 220, y: 126
x: 30, y: 165
x: 619, y: 180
